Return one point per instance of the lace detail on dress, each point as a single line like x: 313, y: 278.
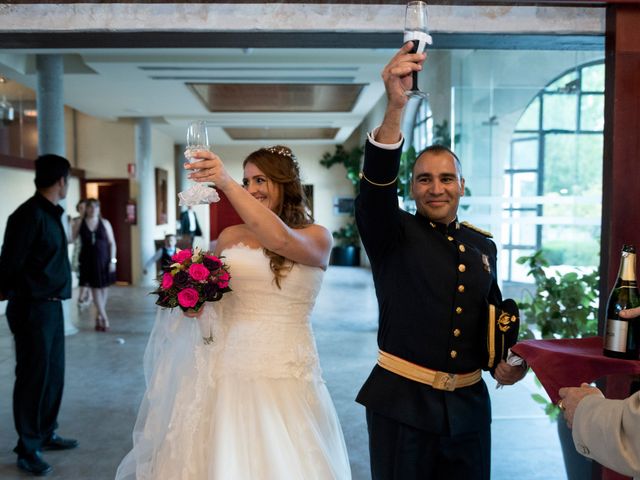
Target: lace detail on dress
x: 267, y: 331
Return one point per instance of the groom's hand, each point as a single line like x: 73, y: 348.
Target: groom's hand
x: 397, y: 80
x: 507, y: 374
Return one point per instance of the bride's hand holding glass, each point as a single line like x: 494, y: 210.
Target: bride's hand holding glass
x: 208, y: 167
x: 197, y: 146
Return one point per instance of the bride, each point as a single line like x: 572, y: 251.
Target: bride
x: 252, y: 405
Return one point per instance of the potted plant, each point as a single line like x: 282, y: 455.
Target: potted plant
x: 562, y: 306
x: 346, y: 251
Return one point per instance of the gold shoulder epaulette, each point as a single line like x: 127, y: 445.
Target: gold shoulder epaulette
x: 476, y: 229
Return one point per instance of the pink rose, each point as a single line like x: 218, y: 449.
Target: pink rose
x: 167, y: 281
x: 188, y: 297
x: 223, y: 280
x: 198, y: 272
x: 181, y: 255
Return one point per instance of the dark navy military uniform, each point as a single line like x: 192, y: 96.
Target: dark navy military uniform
x: 433, y: 283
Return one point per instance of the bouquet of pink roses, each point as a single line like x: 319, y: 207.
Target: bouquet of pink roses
x: 195, y: 277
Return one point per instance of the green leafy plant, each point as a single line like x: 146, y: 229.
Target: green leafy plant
x: 349, y: 159
x: 562, y: 306
x: 442, y: 134
x: 407, y: 159
x: 347, y: 235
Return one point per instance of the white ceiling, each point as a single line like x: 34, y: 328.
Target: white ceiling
x: 114, y: 84
x: 123, y: 82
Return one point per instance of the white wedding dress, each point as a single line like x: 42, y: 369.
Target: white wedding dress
x: 250, y: 406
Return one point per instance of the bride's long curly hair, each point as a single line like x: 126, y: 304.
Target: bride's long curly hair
x: 279, y: 165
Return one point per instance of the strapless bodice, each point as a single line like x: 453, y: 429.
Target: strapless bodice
x: 263, y: 330
x: 255, y: 295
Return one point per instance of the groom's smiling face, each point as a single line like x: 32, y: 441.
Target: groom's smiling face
x: 261, y: 187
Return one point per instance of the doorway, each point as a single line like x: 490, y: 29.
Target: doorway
x: 113, y: 194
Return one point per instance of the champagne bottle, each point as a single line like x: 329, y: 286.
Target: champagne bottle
x: 622, y: 335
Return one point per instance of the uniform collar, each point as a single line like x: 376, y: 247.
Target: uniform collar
x: 445, y: 229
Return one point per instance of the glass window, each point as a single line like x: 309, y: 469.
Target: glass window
x: 559, y: 112
x: 592, y: 112
x: 564, y: 83
x: 531, y: 117
x: 558, y: 162
x: 593, y: 78
x: 524, y: 154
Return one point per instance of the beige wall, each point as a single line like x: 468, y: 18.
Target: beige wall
x: 104, y: 148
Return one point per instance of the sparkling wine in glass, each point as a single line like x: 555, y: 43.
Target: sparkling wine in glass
x: 197, y: 138
x: 197, y: 193
x: 416, y: 31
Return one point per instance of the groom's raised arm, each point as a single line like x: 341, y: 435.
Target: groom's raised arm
x: 377, y: 204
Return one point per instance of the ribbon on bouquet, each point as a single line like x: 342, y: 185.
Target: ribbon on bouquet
x: 198, y: 194
x: 205, y: 323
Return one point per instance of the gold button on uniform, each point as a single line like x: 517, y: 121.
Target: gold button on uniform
x: 461, y: 248
x: 458, y: 310
x: 462, y: 267
x: 461, y: 288
x: 456, y: 332
x: 450, y: 238
x: 454, y: 354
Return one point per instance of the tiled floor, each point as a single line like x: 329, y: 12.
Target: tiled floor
x: 104, y: 385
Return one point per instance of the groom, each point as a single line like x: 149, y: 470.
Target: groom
x: 36, y: 277
x: 428, y: 410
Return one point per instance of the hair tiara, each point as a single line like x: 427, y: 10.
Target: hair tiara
x: 280, y: 150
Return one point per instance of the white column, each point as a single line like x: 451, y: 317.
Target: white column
x: 146, y: 196
x: 50, y: 105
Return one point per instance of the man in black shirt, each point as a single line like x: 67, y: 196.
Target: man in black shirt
x: 35, y: 277
x: 189, y: 226
x: 428, y: 410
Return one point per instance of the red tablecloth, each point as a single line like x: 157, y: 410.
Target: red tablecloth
x: 569, y: 362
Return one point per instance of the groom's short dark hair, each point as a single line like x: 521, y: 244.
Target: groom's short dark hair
x: 49, y: 169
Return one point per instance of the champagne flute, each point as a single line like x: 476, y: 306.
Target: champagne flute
x: 197, y: 139
x: 415, y: 31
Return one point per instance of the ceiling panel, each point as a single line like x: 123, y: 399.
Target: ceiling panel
x: 277, y: 97
x: 308, y: 133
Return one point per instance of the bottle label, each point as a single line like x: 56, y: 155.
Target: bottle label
x: 615, y: 338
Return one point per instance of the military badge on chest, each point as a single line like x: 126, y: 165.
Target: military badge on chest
x: 485, y: 263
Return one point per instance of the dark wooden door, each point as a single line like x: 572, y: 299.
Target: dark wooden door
x: 221, y: 215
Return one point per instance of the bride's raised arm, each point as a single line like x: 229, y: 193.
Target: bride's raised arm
x: 307, y: 244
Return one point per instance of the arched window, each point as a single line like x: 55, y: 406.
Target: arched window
x: 553, y: 176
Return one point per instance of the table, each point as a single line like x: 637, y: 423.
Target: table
x: 569, y: 362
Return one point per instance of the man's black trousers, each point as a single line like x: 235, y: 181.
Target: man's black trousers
x: 38, y: 332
